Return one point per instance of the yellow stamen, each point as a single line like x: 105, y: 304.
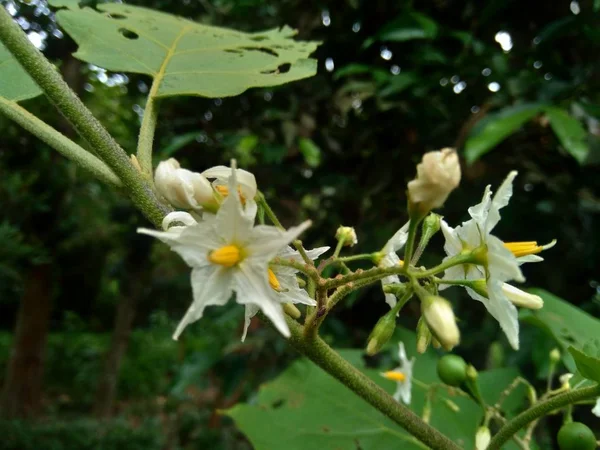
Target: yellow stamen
x: 527, y: 248
x: 400, y: 263
x: 273, y: 281
x: 224, y: 191
x: 394, y: 376
x: 227, y: 256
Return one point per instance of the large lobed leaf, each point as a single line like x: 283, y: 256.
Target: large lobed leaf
x: 306, y: 408
x: 15, y: 84
x: 184, y: 57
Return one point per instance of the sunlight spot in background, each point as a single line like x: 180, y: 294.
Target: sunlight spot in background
x: 537, y: 64
x: 329, y: 64
x: 11, y: 8
x: 325, y: 18
x: 458, y: 88
x: 356, y: 27
x: 455, y: 79
x: 386, y: 53
x: 548, y: 76
x: 475, y: 109
x: 38, y: 39
x: 443, y: 81
x: 268, y: 96
x: 486, y: 72
x: 503, y: 38
x: 395, y: 69
x: 494, y: 86
x: 574, y: 6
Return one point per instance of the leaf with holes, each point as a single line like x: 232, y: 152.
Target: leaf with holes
x: 184, y: 57
x: 567, y: 324
x: 306, y: 408
x: 16, y: 85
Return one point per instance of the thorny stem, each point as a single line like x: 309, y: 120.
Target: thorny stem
x: 59, y: 142
x: 540, y: 409
x: 67, y: 102
x: 147, y: 130
x: 332, y: 363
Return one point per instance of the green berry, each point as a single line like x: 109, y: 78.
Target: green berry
x: 452, y: 370
x: 576, y: 436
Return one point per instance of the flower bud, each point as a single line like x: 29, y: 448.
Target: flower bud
x: 423, y: 336
x: 565, y: 380
x: 438, y: 174
x: 440, y: 319
x: 347, y: 235
x: 521, y: 298
x: 431, y: 224
x: 382, y: 332
x: 554, y: 356
x: 181, y: 187
x: 482, y: 438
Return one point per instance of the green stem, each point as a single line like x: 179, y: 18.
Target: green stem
x: 147, y: 130
x: 466, y: 258
x: 338, y: 249
x: 410, y: 241
x: 260, y: 198
x: 363, y: 256
x: 88, y: 127
x: 539, y: 410
x: 300, y: 247
x: 332, y: 363
x: 59, y: 142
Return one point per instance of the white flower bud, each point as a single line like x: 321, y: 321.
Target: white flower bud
x: 181, y: 187
x: 440, y: 319
x: 438, y: 174
x: 482, y: 438
x: 347, y: 235
x: 521, y: 298
x: 596, y: 409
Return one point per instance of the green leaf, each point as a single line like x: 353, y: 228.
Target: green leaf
x: 352, y: 69
x: 310, y: 151
x: 306, y: 408
x: 498, y: 127
x: 178, y: 142
x: 398, y: 84
x: 184, y: 57
x: 16, y: 84
x: 570, y: 133
x: 567, y: 324
x: 409, y: 26
x: 588, y: 361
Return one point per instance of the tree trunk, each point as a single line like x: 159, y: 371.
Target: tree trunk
x: 137, y: 277
x: 21, y: 397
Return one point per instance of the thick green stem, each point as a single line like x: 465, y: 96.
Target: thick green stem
x: 332, y: 363
x: 67, y: 102
x: 539, y: 410
x: 146, y: 137
x: 59, y: 142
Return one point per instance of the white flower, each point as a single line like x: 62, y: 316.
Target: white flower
x: 502, y: 265
x: 283, y: 281
x: 440, y: 319
x: 402, y: 375
x: 390, y: 259
x: 596, y: 409
x: 229, y: 254
x: 247, y: 187
x: 181, y: 187
x: 438, y: 174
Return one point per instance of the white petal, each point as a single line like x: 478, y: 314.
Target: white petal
x: 178, y: 216
x: 502, y: 264
x: 297, y: 295
x: 249, y: 313
x: 252, y: 286
x: 522, y: 298
x: 402, y: 353
x: 210, y: 286
x: 397, y: 241
x: 453, y: 244
x: 264, y: 243
x: 596, y: 409
x: 250, y: 209
x: 529, y: 259
x: 479, y: 212
x: 289, y: 253
x: 246, y: 179
x: 231, y: 221
x: 500, y: 200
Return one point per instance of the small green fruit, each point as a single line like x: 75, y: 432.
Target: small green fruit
x: 576, y: 436
x: 452, y: 370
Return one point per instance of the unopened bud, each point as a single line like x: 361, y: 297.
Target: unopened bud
x: 438, y: 174
x: 431, y: 224
x: 451, y: 405
x: 423, y: 336
x: 291, y: 310
x: 482, y: 438
x: 531, y: 395
x: 347, y: 235
x: 521, y: 298
x: 440, y: 319
x: 565, y: 380
x: 472, y: 373
x: 181, y: 187
x: 555, y: 356
x: 382, y: 332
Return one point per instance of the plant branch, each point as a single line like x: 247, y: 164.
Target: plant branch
x: 540, y: 409
x: 59, y: 142
x: 332, y: 363
x: 88, y: 127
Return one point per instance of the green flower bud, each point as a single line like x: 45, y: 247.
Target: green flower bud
x: 382, y: 332
x: 347, y: 235
x: 423, y: 336
x: 555, y: 356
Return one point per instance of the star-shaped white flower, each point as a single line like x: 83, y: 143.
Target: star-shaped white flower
x: 283, y: 281
x: 503, y: 260
x: 391, y: 259
x: 402, y: 375
x: 228, y: 254
x: 247, y: 187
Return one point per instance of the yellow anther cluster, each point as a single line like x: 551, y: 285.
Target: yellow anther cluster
x: 273, y: 281
x: 227, y: 256
x: 394, y: 376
